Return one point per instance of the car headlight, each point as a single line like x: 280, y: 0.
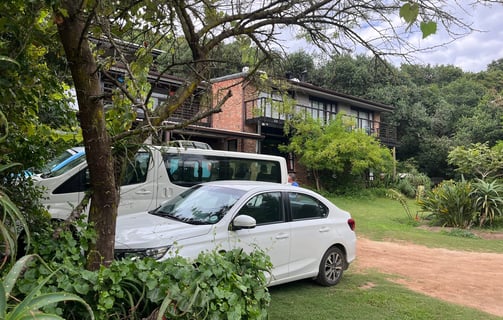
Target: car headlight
x: 155, y: 253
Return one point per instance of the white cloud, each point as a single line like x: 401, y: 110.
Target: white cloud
x: 472, y: 52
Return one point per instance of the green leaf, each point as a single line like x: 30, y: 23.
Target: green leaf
x: 14, y: 273
x: 428, y: 28
x: 409, y: 12
x: 3, y: 301
x: 47, y: 299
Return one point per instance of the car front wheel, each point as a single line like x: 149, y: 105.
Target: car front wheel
x: 332, y: 267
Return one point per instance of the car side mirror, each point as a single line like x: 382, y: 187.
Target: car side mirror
x: 243, y: 222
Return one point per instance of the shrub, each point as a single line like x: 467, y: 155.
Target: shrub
x: 488, y: 198
x: 451, y: 204
x: 230, y: 285
x: 12, y: 224
x: 409, y: 184
x: 30, y: 306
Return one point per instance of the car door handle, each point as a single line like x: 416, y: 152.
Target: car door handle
x: 143, y: 192
x: 324, y: 229
x: 282, y: 236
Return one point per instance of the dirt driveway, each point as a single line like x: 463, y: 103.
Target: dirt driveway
x: 467, y: 278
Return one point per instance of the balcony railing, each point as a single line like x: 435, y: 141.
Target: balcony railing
x: 268, y: 111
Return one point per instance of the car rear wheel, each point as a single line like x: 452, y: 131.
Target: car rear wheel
x: 332, y: 267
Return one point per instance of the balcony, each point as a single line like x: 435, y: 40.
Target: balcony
x: 261, y: 111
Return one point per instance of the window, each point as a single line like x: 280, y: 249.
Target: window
x: 79, y: 182
x: 136, y: 171
x: 232, y: 145
x: 265, y: 208
x: 189, y: 169
x: 305, y: 207
x: 364, y: 120
x: 323, y: 110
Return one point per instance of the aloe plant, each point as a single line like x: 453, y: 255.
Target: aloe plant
x: 12, y: 222
x: 489, y: 200
x: 30, y: 307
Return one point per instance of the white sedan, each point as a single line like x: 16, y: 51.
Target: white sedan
x: 305, y: 235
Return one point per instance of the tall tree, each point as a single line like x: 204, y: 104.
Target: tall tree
x: 336, y: 148
x: 200, y: 26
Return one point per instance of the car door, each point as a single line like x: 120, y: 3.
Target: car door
x: 271, y: 233
x: 65, y: 191
x: 138, y: 185
x: 311, y: 233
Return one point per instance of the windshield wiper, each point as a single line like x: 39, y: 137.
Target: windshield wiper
x: 165, y: 215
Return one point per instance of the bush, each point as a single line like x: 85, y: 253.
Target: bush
x: 488, y: 198
x: 410, y: 184
x: 451, y: 204
x: 230, y: 285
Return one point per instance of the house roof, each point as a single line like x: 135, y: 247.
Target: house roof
x: 315, y: 91
x: 328, y: 94
x: 202, y: 131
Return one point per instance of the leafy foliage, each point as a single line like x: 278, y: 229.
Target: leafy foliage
x: 12, y: 223
x: 462, y: 204
x: 336, y: 147
x: 477, y: 160
x: 488, y: 200
x: 33, y: 89
x: 230, y: 285
x: 31, y: 305
x: 451, y: 204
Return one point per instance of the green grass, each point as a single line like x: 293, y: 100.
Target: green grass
x: 372, y: 295
x: 386, y: 219
x: 360, y: 297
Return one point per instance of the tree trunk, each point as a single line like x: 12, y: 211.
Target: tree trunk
x: 72, y: 29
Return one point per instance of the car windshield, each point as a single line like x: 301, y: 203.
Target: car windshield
x: 200, y: 204
x: 55, y: 161
x: 65, y: 165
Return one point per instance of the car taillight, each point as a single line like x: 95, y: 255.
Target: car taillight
x: 351, y: 224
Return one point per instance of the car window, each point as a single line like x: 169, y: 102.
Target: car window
x: 265, y: 208
x: 303, y: 206
x: 66, y: 165
x: 79, y: 182
x: 136, y: 171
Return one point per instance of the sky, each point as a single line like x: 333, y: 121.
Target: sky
x: 471, y: 53
x: 475, y: 51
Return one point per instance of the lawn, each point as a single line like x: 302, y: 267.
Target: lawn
x: 371, y: 295
x: 386, y: 219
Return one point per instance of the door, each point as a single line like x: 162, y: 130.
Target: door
x: 138, y: 186
x: 311, y: 233
x: 271, y: 234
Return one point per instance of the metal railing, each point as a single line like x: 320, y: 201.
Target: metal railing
x: 266, y: 108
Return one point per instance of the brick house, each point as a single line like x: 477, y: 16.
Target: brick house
x: 254, y: 112
x: 249, y: 122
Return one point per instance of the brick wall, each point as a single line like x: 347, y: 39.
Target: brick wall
x: 231, y: 117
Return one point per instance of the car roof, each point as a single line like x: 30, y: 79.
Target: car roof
x: 76, y: 150
x: 246, y: 185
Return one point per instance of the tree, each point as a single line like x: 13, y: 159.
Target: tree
x: 478, y: 160
x: 31, y: 88
x: 299, y: 65
x: 337, y: 148
x: 201, y: 27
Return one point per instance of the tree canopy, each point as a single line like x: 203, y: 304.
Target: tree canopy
x: 337, y: 148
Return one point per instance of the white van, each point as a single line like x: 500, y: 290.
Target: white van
x: 157, y: 174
